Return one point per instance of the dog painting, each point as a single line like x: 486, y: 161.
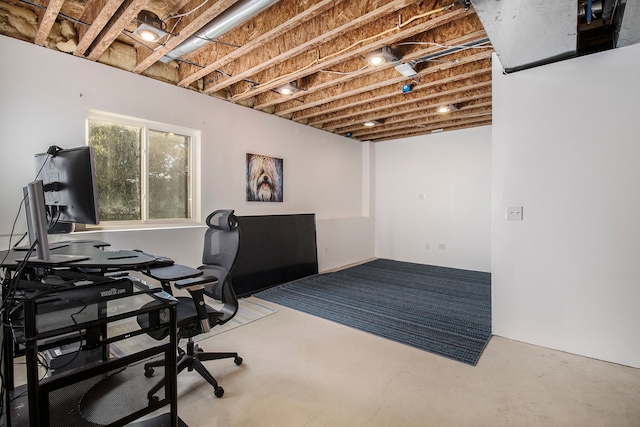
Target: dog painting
x: 264, y: 178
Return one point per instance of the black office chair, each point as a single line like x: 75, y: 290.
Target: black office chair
x: 194, y: 316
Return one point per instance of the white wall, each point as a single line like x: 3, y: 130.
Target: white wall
x: 566, y: 147
x: 44, y: 96
x: 435, y: 190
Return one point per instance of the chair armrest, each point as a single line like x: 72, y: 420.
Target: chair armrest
x: 195, y: 286
x: 172, y: 273
x: 194, y: 282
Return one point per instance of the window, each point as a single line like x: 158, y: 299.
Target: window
x: 145, y: 171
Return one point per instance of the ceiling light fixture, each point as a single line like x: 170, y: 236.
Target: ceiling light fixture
x: 151, y: 27
x: 380, y: 56
x: 288, y: 89
x: 447, y: 108
x: 371, y: 123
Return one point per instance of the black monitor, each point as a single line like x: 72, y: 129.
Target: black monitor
x: 69, y: 180
x: 64, y: 192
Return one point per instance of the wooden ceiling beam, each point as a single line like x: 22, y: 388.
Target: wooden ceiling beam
x: 257, y: 63
x: 390, y: 95
x: 269, y: 83
x: 419, y: 129
x: 464, y: 124
x: 321, y: 81
x: 296, y: 18
x: 429, y: 105
x: 46, y: 19
x: 427, y: 101
x: 123, y: 17
x: 390, y: 82
x: 354, y: 123
x: 98, y: 13
x: 188, y: 26
x: 409, y: 115
x: 401, y: 121
x: 376, y: 131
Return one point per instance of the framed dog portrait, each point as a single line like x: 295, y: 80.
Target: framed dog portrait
x: 264, y: 178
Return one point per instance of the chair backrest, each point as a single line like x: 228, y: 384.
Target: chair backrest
x: 222, y: 239
x: 221, y: 244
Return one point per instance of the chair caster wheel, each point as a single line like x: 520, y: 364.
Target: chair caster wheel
x: 148, y: 372
x: 219, y: 392
x: 238, y: 360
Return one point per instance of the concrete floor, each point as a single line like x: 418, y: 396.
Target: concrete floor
x: 301, y: 370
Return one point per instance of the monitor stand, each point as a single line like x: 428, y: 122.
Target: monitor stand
x: 37, y: 228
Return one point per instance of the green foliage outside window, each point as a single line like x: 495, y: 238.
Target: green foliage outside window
x: 117, y: 155
x: 168, y: 175
x: 124, y: 176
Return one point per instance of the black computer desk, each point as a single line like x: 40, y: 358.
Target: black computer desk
x: 88, y: 253
x: 43, y: 319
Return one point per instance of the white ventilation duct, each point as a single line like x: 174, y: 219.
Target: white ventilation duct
x: 235, y: 15
x: 527, y: 33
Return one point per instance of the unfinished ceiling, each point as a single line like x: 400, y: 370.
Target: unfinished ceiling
x: 436, y: 53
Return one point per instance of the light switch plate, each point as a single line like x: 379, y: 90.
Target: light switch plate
x: 514, y: 213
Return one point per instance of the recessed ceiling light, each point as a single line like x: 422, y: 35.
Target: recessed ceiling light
x: 380, y: 56
x: 148, y: 35
x: 151, y: 27
x: 287, y: 89
x: 375, y: 59
x: 447, y: 108
x: 371, y: 123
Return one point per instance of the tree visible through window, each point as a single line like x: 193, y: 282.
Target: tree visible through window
x: 168, y: 175
x: 142, y: 173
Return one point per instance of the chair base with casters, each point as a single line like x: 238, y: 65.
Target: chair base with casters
x: 192, y: 319
x: 192, y: 360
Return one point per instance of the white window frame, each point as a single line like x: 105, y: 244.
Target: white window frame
x: 194, y: 176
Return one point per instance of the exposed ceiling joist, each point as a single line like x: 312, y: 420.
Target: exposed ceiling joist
x: 313, y: 91
x: 121, y: 20
x: 410, y: 119
x: 419, y: 129
x: 295, y: 19
x: 421, y: 120
x: 47, y: 19
x: 186, y: 27
x: 257, y: 64
x: 460, y: 92
x: 315, y: 65
x: 388, y: 87
x: 437, y: 51
x: 98, y: 13
x: 384, y: 98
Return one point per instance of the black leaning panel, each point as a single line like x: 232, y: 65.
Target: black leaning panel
x: 274, y: 249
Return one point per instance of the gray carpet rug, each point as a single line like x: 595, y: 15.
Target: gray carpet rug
x: 442, y: 310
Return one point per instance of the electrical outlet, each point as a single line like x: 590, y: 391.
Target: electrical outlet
x: 514, y: 213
